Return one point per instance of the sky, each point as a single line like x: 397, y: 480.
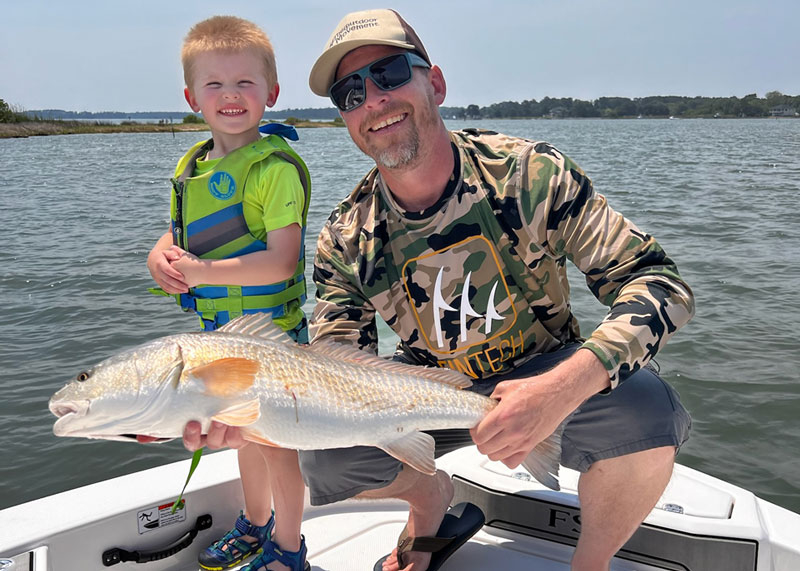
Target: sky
x: 110, y: 55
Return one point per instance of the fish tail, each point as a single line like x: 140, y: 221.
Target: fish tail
x: 543, y: 461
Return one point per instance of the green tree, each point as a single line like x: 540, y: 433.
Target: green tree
x: 192, y: 118
x: 6, y: 114
x: 775, y: 98
x: 473, y: 111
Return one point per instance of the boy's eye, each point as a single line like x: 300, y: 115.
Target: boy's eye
x: 213, y: 84
x: 245, y: 82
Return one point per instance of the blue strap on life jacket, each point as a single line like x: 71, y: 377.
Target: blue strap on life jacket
x: 285, y: 131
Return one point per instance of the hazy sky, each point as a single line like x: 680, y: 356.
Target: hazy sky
x: 98, y: 55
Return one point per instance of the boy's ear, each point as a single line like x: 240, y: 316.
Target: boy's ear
x: 191, y: 100
x: 273, y: 95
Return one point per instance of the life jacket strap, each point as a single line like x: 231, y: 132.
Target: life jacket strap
x: 235, y: 304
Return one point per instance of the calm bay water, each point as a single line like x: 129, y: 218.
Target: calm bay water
x: 81, y: 213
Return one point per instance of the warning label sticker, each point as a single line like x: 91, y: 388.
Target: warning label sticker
x: 160, y: 516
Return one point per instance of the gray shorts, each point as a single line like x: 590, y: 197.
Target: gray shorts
x: 643, y: 412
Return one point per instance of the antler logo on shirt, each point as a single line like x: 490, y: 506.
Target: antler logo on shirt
x: 459, y: 296
x: 465, y: 310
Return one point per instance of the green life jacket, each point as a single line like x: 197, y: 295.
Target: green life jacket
x: 208, y: 221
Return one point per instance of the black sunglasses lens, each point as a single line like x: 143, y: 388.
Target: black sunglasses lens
x: 348, y: 92
x: 387, y: 73
x: 391, y: 72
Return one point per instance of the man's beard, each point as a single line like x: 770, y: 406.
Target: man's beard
x: 406, y: 152
x: 399, y: 155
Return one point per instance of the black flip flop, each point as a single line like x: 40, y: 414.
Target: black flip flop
x: 461, y: 522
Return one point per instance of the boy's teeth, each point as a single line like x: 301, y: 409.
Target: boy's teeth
x: 387, y: 122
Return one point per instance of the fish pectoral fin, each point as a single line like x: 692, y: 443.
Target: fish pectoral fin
x: 543, y: 461
x: 415, y: 449
x: 252, y: 435
x: 240, y: 414
x: 227, y: 377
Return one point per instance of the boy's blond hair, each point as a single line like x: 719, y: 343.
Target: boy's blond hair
x: 227, y: 34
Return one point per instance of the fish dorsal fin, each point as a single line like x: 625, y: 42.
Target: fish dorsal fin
x: 240, y: 414
x: 227, y: 377
x: 344, y: 352
x: 415, y: 449
x: 257, y: 325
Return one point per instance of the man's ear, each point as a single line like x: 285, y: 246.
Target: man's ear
x: 273, y: 94
x: 191, y: 100
x: 436, y: 77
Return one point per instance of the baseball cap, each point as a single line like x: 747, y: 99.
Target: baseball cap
x: 364, y: 28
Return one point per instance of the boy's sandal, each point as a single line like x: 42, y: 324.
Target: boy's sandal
x: 459, y: 524
x: 294, y: 560
x: 231, y: 550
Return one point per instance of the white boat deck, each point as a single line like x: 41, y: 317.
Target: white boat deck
x: 71, y: 531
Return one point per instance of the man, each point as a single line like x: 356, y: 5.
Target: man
x: 459, y: 241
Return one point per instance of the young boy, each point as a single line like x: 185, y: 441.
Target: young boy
x: 235, y: 246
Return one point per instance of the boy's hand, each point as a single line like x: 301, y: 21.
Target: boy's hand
x: 159, y: 262
x: 189, y: 266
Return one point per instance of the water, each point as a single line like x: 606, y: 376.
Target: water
x: 82, y: 211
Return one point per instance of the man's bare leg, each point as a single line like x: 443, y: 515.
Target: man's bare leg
x: 428, y: 499
x: 616, y: 495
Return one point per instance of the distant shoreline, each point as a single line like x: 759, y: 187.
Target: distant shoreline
x: 58, y: 127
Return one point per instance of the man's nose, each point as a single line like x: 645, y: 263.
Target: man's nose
x: 373, y: 95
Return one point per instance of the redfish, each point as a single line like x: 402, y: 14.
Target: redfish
x: 251, y: 375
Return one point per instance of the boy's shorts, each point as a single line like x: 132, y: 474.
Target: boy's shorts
x: 643, y: 412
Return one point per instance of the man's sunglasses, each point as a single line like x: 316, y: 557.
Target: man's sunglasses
x: 387, y: 73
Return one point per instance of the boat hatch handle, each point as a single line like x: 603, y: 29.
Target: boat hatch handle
x: 117, y: 554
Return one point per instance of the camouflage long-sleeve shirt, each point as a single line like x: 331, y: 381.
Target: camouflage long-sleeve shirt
x: 478, y: 281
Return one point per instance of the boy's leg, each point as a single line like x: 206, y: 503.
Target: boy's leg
x: 254, y: 472
x: 253, y: 527
x: 288, y: 492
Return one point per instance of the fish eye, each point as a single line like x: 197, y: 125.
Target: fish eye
x: 84, y: 376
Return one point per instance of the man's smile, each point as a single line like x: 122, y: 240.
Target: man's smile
x: 388, y: 122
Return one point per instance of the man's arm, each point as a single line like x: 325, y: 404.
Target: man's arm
x: 625, y: 268
x: 342, y: 312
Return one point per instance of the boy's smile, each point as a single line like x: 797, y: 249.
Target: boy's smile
x: 231, y: 91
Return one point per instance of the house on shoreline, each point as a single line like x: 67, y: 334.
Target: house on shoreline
x: 783, y: 111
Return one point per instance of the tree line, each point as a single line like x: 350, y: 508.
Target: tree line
x: 553, y: 107
x: 618, y: 107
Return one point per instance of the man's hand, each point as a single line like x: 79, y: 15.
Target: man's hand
x: 528, y: 412
x: 219, y: 436
x: 530, y: 409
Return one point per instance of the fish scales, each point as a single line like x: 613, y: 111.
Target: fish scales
x: 250, y: 374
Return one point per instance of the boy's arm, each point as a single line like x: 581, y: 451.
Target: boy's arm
x: 275, y: 264
x: 159, y: 260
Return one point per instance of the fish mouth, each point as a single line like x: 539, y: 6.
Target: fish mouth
x: 66, y: 409
x: 68, y: 412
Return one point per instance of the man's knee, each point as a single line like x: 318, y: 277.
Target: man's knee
x: 341, y: 473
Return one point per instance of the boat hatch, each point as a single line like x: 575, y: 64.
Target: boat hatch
x: 542, y: 516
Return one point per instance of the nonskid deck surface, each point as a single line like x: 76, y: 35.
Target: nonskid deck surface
x: 353, y: 536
